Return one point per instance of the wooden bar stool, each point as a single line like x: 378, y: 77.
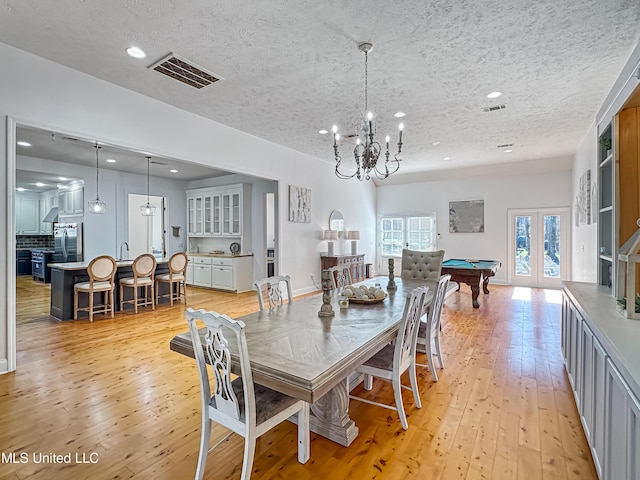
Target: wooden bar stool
x: 102, y: 273
x: 176, y: 276
x: 144, y: 267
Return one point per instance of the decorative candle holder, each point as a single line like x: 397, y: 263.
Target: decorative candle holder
x: 392, y: 284
x: 326, y: 310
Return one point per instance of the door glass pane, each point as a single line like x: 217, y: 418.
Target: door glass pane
x: 392, y: 236
x: 552, y: 246
x: 420, y: 234
x: 523, y: 245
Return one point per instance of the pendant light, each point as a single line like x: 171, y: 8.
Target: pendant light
x: 97, y: 206
x: 147, y: 209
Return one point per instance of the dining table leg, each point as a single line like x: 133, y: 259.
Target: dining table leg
x: 330, y: 416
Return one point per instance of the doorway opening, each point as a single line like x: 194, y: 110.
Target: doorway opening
x: 146, y: 234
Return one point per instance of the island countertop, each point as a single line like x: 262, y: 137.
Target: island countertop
x: 217, y: 255
x: 84, y: 265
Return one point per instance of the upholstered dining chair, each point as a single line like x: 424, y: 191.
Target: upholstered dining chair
x: 246, y: 408
x: 417, y: 265
x: 395, y: 359
x: 176, y: 277
x: 340, y: 276
x: 429, y: 330
x: 102, y: 273
x: 144, y: 267
x: 272, y: 288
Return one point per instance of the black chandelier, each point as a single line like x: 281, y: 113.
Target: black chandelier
x: 367, y: 153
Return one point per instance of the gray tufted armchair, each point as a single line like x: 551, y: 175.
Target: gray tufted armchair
x: 421, y: 265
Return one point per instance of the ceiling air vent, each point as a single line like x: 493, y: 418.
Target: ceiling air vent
x: 493, y: 108
x: 185, y: 72
x: 505, y: 145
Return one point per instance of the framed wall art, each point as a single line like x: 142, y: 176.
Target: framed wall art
x: 466, y: 216
x: 299, y: 204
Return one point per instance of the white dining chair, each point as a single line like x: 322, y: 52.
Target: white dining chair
x: 395, y: 359
x: 272, y: 288
x: 340, y: 276
x: 429, y: 331
x: 245, y: 408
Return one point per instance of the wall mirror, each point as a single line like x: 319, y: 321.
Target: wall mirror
x: 336, y: 222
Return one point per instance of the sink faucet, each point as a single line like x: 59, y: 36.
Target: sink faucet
x: 124, y: 244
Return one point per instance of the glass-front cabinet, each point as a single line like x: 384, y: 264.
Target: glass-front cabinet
x: 194, y: 215
x: 220, y: 212
x: 232, y: 213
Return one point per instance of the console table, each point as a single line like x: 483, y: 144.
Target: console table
x: 355, y: 261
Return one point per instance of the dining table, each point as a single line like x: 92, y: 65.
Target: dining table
x: 297, y: 352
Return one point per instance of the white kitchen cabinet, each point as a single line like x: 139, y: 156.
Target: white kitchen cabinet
x: 211, y: 214
x: 222, y: 277
x: 194, y: 215
x: 71, y: 201
x: 233, y: 274
x: 201, y: 271
x: 232, y: 212
x: 27, y: 214
x: 48, y: 200
x: 189, y: 273
x: 221, y: 212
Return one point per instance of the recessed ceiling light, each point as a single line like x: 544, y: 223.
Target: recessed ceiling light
x: 63, y: 179
x: 20, y: 189
x: 494, y: 94
x: 447, y: 158
x: 136, y: 52
x: 24, y: 144
x: 399, y: 114
x: 39, y: 184
x: 435, y: 143
x: 508, y: 150
x: 173, y: 170
x: 110, y: 160
x: 323, y: 131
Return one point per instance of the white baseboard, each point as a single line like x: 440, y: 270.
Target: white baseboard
x: 4, y: 366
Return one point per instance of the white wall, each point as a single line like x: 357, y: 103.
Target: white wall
x: 584, y: 260
x: 37, y: 92
x: 499, y: 192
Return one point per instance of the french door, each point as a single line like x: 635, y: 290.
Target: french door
x: 539, y: 247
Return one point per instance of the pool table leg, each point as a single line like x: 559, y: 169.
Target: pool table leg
x: 475, y: 291
x: 485, y: 285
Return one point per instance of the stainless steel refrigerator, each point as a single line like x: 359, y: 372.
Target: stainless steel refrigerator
x: 68, y: 242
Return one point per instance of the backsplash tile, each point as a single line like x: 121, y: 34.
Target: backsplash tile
x: 35, y: 241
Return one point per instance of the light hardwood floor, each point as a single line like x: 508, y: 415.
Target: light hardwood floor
x: 502, y: 409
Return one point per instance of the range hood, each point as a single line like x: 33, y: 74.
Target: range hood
x: 52, y: 216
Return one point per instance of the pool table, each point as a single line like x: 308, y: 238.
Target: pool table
x: 471, y: 272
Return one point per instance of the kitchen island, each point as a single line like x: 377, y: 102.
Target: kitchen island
x: 65, y: 275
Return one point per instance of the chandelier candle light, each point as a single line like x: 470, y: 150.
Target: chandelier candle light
x: 148, y: 210
x: 366, y: 153
x: 97, y: 206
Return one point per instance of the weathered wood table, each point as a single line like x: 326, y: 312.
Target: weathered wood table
x: 294, y: 351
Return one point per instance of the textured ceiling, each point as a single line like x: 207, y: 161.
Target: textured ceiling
x: 293, y: 68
